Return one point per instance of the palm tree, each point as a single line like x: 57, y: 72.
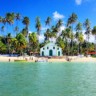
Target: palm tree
x: 64, y: 37
x: 79, y: 27
x: 63, y: 34
x: 60, y: 42
x: 71, y: 20
x: 10, y: 18
x: 47, y: 34
x: 26, y: 22
x: 2, y: 29
x: 24, y: 32
x: 33, y: 41
x: 8, y: 38
x: 48, y: 21
x: 21, y: 43
x: 18, y: 17
x: 88, y: 30
x: 66, y: 34
x: 80, y: 40
x: 4, y: 21
x: 15, y: 44
x: 59, y: 24
x: 16, y: 29
x: 54, y: 29
x: 94, y: 33
x: 79, y: 36
x: 78, y: 30
x: 2, y: 47
x: 38, y: 26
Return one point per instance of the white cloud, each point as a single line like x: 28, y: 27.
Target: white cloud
x: 78, y: 2
x: 44, y: 28
x: 41, y: 38
x: 57, y: 15
x: 61, y: 28
x: 91, y: 39
x: 30, y: 32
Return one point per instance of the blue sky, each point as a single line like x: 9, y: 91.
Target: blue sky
x: 54, y: 8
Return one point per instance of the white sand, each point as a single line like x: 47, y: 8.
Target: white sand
x: 74, y: 59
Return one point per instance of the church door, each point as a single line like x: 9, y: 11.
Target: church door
x: 50, y: 53
x: 42, y: 53
x: 58, y: 53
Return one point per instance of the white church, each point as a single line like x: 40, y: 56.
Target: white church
x: 51, y: 49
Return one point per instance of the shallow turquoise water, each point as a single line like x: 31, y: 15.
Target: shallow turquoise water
x: 50, y: 79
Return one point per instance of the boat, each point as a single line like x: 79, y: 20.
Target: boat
x: 19, y: 60
x: 41, y: 60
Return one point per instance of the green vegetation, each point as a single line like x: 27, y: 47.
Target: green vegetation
x: 72, y: 43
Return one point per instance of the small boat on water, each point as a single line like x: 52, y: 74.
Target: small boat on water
x: 41, y: 60
x: 20, y: 61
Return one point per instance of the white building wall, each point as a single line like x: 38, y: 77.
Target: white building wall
x: 50, y: 46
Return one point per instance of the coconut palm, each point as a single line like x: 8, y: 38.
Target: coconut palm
x: 64, y: 37
x: 78, y: 27
x: 10, y: 18
x: 54, y: 29
x: 59, y: 24
x: 16, y: 29
x: 71, y: 20
x: 38, y: 26
x: 33, y: 41
x: 94, y: 34
x: 48, y: 21
x: 22, y: 43
x: 78, y: 30
x: 66, y: 34
x: 26, y: 22
x: 79, y: 36
x: 4, y: 21
x: 14, y: 43
x: 8, y: 39
x: 24, y: 32
x: 47, y: 34
x: 80, y: 40
x: 2, y: 47
x: 17, y: 17
x: 88, y: 30
x: 60, y: 42
x: 2, y: 29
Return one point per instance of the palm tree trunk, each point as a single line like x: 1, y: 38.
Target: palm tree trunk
x: 88, y: 44
x: 72, y: 43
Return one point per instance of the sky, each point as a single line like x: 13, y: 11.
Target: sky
x: 56, y: 9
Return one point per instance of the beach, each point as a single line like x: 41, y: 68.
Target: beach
x: 33, y: 59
